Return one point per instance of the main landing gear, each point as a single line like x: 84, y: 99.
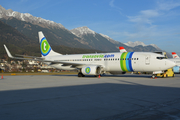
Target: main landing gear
x: 80, y: 74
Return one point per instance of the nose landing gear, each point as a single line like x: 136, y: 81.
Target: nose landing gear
x: 153, y: 76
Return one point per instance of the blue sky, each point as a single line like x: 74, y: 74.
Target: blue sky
x: 150, y: 21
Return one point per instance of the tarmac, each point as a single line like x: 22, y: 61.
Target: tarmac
x: 111, y: 97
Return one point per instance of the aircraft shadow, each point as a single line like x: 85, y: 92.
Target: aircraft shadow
x: 108, y: 75
x: 102, y: 101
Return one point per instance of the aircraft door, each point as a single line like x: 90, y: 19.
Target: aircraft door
x: 147, y: 60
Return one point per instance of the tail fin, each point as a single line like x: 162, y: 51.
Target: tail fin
x: 46, y: 49
x: 121, y: 49
x: 175, y: 55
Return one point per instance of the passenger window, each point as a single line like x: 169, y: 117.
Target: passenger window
x: 134, y: 58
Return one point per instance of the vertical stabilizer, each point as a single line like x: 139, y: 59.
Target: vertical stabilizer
x: 175, y: 55
x: 45, y: 48
x: 122, y: 49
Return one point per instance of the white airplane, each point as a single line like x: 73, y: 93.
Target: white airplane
x: 175, y: 55
x: 99, y: 63
x: 176, y: 69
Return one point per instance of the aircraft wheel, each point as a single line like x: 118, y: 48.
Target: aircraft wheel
x: 173, y: 75
x: 80, y: 74
x: 153, y: 76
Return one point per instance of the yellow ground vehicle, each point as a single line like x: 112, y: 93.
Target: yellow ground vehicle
x: 168, y: 73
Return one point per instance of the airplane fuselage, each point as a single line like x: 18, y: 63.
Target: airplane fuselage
x: 117, y: 62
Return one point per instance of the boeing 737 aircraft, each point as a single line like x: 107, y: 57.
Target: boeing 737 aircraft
x: 99, y: 63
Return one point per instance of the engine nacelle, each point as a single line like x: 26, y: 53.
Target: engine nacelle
x: 115, y: 73
x: 91, y: 70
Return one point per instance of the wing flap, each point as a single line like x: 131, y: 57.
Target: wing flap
x: 33, y: 57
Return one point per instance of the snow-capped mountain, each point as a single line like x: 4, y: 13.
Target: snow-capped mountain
x: 108, y: 38
x: 133, y: 44
x: 85, y: 31
x: 137, y: 43
x: 96, y: 40
x: 82, y: 31
x: 27, y: 17
x: 81, y: 37
x: 155, y: 46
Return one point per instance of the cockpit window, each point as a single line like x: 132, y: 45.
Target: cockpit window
x: 160, y: 58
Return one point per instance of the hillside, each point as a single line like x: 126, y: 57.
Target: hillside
x: 18, y: 43
x: 56, y: 36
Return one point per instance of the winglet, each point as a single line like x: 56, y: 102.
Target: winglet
x: 7, y: 51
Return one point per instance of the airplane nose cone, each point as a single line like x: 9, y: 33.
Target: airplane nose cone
x: 170, y: 64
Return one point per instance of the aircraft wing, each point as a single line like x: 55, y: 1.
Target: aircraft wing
x: 42, y: 59
x: 33, y: 57
x: 24, y: 57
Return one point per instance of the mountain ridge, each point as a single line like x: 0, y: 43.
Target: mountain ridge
x: 18, y: 43
x: 27, y: 17
x: 81, y: 37
x: 98, y: 41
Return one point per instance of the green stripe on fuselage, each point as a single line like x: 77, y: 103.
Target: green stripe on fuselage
x: 123, y: 61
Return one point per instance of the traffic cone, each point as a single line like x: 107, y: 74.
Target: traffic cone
x: 2, y: 76
x: 99, y: 76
